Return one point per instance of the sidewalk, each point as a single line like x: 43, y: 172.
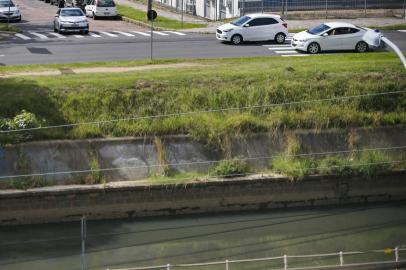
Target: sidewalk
x: 300, y: 24
x: 161, y: 12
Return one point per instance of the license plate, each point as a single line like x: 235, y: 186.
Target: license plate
x: 75, y: 24
x: 106, y: 13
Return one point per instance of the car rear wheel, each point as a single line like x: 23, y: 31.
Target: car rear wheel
x: 94, y: 16
x: 280, y: 38
x: 361, y: 47
x: 236, y: 39
x: 313, y: 48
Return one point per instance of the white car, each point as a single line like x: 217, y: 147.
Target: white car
x: 71, y: 20
x: 254, y: 27
x: 100, y: 8
x: 331, y: 37
x: 9, y: 11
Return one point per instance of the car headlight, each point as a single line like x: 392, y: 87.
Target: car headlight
x: 82, y: 21
x: 303, y: 40
x: 228, y: 30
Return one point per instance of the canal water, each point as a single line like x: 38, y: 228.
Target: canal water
x: 206, y: 238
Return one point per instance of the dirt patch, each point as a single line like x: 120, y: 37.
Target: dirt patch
x: 62, y: 71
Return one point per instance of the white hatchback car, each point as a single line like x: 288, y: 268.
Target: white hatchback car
x: 331, y: 37
x: 254, y: 27
x: 9, y: 11
x: 100, y: 8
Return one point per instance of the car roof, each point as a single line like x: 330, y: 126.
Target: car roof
x: 339, y: 24
x: 70, y: 8
x: 263, y: 15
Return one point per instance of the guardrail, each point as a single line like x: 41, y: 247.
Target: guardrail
x: 396, y: 261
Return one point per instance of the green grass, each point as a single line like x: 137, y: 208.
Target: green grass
x: 389, y: 27
x: 9, y: 28
x: 177, y: 178
x: 217, y: 83
x: 161, y: 22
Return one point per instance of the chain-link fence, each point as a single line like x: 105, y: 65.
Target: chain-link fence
x: 325, y: 8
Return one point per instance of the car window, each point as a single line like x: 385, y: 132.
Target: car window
x: 6, y: 4
x: 72, y: 12
x: 268, y: 21
x: 105, y: 3
x: 256, y: 22
x: 352, y: 30
x: 241, y: 20
x: 318, y: 29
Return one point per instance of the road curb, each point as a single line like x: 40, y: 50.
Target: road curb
x: 142, y: 24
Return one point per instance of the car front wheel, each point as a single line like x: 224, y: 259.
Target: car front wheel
x: 236, y: 39
x: 361, y: 47
x: 313, y: 48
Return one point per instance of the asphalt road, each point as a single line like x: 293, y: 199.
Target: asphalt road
x: 75, y: 48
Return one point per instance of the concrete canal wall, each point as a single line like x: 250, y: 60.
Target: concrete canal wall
x: 125, y: 199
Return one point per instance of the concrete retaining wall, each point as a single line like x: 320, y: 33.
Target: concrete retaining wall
x: 120, y: 154
x: 58, y: 204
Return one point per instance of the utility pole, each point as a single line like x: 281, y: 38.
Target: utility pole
x: 181, y: 21
x: 8, y: 16
x: 404, y: 9
x: 83, y: 237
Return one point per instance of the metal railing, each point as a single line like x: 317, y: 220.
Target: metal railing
x: 285, y: 259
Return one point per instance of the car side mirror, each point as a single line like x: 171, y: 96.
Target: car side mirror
x: 325, y: 35
x: 247, y: 25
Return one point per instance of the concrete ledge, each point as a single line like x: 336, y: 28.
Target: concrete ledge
x: 59, y: 204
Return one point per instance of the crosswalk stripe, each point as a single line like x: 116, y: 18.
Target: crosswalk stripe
x: 94, y: 35
x: 56, y: 35
x: 22, y: 36
x: 160, y: 33
x: 280, y: 52
x: 41, y: 36
x: 279, y: 48
x: 79, y: 36
x: 176, y: 33
x: 124, y: 34
x: 108, y: 34
x: 404, y: 31
x: 277, y: 45
x: 295, y: 55
x: 141, y: 33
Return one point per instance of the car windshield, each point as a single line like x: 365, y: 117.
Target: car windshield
x: 105, y: 3
x: 72, y: 13
x: 241, y: 20
x: 6, y: 4
x: 318, y: 29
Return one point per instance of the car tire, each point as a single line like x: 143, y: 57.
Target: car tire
x: 280, y: 38
x: 19, y: 19
x: 361, y: 47
x: 236, y: 39
x: 94, y: 16
x: 313, y: 48
x: 55, y: 30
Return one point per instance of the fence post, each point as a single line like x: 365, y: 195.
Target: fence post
x: 262, y: 6
x: 83, y: 237
x: 396, y: 254
x: 226, y: 264
x: 168, y: 267
x: 285, y: 262
x: 326, y: 7
x: 283, y: 7
x: 341, y: 259
x: 404, y: 9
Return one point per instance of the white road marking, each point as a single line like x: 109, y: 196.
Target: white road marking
x: 404, y: 31
x: 277, y: 45
x: 160, y: 33
x: 41, y: 36
x: 280, y: 52
x: 94, y: 35
x: 108, y: 34
x: 2, y: 55
x: 22, y: 36
x: 124, y: 34
x: 141, y: 33
x: 56, y: 35
x: 176, y: 33
x: 290, y: 55
x: 78, y: 36
x: 279, y: 48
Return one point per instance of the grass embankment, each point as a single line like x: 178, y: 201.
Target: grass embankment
x: 217, y: 84
x: 9, y: 28
x: 160, y: 22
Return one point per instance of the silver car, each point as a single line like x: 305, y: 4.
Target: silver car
x: 9, y: 11
x: 71, y: 20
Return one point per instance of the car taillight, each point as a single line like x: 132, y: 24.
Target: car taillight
x: 285, y: 24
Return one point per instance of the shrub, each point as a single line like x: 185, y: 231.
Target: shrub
x: 230, y: 168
